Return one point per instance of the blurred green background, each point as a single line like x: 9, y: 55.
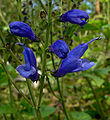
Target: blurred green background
x: 84, y: 92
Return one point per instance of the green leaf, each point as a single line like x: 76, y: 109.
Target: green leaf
x: 3, y: 77
x: 7, y: 109
x: 47, y: 110
x: 104, y: 71
x: 12, y: 71
x: 80, y: 116
x: 97, y: 80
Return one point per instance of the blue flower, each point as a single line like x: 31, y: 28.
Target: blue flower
x: 75, y: 16
x: 60, y: 48
x: 29, y: 69
x: 22, y: 29
x: 73, y: 63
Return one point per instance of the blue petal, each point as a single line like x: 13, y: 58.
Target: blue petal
x: 29, y: 69
x: 97, y: 38
x: 75, y: 17
x: 22, y: 29
x: 67, y: 66
x: 85, y: 65
x: 78, y: 51
x: 29, y: 56
x: 32, y: 58
x: 22, y: 69
x: 60, y: 48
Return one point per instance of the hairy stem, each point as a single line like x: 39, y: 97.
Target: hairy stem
x: 101, y: 112
x: 11, y: 97
x: 45, y: 53
x: 31, y: 94
x: 12, y: 82
x: 13, y: 55
x: 62, y: 99
x: 5, y: 118
x: 42, y: 5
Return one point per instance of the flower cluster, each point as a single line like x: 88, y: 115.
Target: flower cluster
x: 71, y: 61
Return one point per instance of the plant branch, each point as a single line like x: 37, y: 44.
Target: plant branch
x: 12, y: 82
x: 45, y: 54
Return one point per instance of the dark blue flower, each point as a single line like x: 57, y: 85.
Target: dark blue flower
x: 75, y: 16
x: 29, y: 69
x: 22, y: 29
x: 73, y: 63
x: 60, y: 48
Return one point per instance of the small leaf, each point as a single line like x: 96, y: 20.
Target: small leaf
x: 80, y: 116
x: 46, y: 110
x: 104, y: 71
x: 97, y: 80
x: 4, y: 108
x: 7, y: 109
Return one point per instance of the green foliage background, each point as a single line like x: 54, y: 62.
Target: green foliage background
x: 80, y: 90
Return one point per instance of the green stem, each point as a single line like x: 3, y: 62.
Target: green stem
x: 51, y: 40
x: 101, y: 112
x: 19, y: 9
x: 61, y: 22
x: 51, y: 88
x: 42, y: 6
x: 11, y: 97
x: 62, y: 99
x: 11, y: 52
x: 5, y: 117
x: 31, y: 94
x: 13, y: 55
x: 3, y: 19
x: 108, y: 11
x: 11, y: 80
x: 45, y: 54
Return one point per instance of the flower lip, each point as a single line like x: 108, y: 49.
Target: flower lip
x: 29, y: 69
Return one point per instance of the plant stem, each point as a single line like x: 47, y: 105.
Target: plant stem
x: 19, y: 9
x: 3, y: 19
x: 42, y: 5
x: 101, y: 112
x: 11, y: 97
x: 13, y: 55
x: 51, y: 41
x: 45, y: 53
x: 31, y: 94
x: 5, y: 117
x: 62, y: 99
x: 51, y: 88
x: 108, y: 11
x: 61, y: 22
x: 11, y: 80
